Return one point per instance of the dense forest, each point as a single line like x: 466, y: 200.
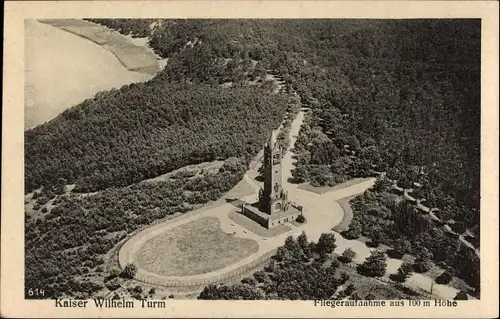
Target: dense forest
x: 394, y: 96
x: 145, y: 130
x: 386, y: 219
x: 71, y: 238
x: 399, y: 96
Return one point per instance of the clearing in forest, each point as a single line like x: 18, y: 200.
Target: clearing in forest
x: 193, y: 248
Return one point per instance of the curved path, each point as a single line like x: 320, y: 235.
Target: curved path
x: 321, y: 211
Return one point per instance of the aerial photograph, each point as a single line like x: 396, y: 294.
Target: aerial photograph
x: 254, y: 159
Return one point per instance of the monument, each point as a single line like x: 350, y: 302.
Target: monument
x: 273, y: 207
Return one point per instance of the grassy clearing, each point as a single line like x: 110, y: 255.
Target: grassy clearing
x: 242, y: 189
x: 255, y: 228
x: 347, y: 218
x: 194, y: 248
x: 366, y: 285
x: 325, y: 189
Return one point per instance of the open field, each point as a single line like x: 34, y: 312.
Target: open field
x: 62, y: 70
x: 193, y: 248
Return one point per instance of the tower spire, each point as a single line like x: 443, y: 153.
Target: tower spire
x: 272, y: 139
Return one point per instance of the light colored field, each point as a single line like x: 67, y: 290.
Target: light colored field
x: 193, y: 248
x: 63, y: 69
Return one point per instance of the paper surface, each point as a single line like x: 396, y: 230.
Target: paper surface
x: 17, y: 14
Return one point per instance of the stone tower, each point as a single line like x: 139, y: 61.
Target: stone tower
x: 272, y: 198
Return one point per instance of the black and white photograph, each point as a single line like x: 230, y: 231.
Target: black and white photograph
x: 329, y: 160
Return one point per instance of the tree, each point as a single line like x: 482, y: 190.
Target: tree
x: 129, y: 271
x: 468, y: 266
x: 461, y: 295
x: 423, y: 262
x: 234, y: 292
x: 374, y: 239
x: 349, y: 290
x: 302, y: 241
x: 370, y: 296
x: 404, y: 271
x: 375, y: 265
x: 382, y: 185
x: 409, y: 221
x: 354, y: 230
x: 113, y: 284
x: 355, y: 296
x: 282, y: 254
x: 249, y: 281
x: 444, y: 278
x: 401, y: 247
x: 326, y: 244
x: 348, y: 255
x: 260, y: 276
x: 137, y: 289
x: 152, y: 291
x: 290, y: 243
x: 113, y: 272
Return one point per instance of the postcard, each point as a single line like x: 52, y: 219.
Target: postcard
x: 251, y: 159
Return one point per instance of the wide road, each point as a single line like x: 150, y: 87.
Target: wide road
x: 321, y: 211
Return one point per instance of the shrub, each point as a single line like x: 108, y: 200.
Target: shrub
x: 249, y: 281
x: 113, y: 284
x: 137, y: 289
x: 401, y: 247
x: 444, y: 278
x: 461, y: 295
x: 348, y: 255
x: 326, y: 244
x: 152, y: 291
x: 113, y: 272
x: 375, y: 265
x: 422, y: 265
x: 370, y: 296
x: 136, y: 295
x: 349, y: 290
x: 354, y: 230
x: 129, y: 271
x: 260, y: 276
x: 404, y: 271
x: 301, y: 219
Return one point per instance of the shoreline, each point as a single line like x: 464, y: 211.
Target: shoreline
x: 134, y: 58
x: 62, y: 69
